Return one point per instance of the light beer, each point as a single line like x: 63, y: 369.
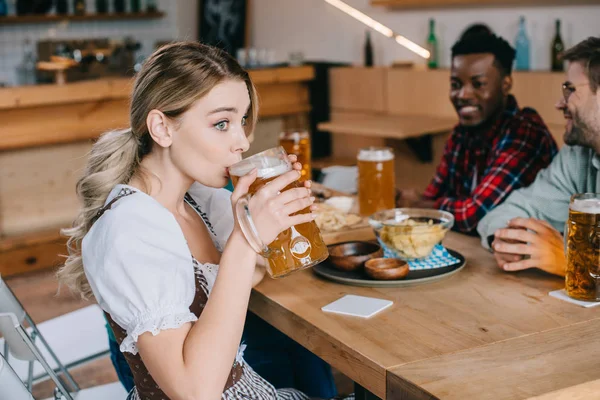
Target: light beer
x: 298, y: 143
x: 298, y: 247
x: 582, y: 278
x: 376, y: 180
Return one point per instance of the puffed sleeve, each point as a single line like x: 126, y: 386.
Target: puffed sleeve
x: 140, y: 268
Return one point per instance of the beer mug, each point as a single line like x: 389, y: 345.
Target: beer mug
x: 582, y: 278
x: 298, y: 143
x: 376, y: 180
x: 296, y: 248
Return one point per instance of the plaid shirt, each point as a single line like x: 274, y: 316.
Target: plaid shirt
x: 480, y: 169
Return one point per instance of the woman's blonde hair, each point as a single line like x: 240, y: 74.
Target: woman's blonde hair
x: 171, y: 80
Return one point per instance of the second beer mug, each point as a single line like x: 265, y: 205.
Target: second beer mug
x: 296, y: 248
x: 298, y: 143
x: 376, y: 180
x: 582, y: 278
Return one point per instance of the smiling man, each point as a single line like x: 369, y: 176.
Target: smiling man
x: 524, y: 232
x: 496, y: 146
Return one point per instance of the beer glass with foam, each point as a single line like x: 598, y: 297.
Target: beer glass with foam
x: 298, y: 143
x: 582, y: 278
x: 296, y: 248
x: 376, y: 180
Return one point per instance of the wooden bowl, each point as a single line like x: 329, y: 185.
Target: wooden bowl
x: 350, y: 256
x: 385, y: 269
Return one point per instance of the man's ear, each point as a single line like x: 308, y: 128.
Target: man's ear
x: 507, y: 83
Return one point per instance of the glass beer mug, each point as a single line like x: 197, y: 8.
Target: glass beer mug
x: 298, y: 143
x: 296, y: 248
x: 582, y: 278
x: 376, y: 180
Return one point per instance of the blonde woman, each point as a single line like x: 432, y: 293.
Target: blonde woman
x: 154, y: 241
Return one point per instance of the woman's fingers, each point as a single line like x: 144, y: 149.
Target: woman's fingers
x: 243, y: 185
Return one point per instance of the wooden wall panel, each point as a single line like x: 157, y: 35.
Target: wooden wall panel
x: 64, y: 123
x: 412, y: 92
x: 38, y: 187
x: 358, y: 89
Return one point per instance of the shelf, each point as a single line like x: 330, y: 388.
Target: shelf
x: 419, y: 4
x: 34, y: 19
x: 387, y: 126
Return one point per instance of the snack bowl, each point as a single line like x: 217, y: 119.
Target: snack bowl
x: 410, y: 233
x: 386, y: 268
x: 350, y: 256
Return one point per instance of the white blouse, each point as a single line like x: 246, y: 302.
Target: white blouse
x: 138, y: 263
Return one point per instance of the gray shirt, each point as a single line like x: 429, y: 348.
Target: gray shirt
x: 573, y: 170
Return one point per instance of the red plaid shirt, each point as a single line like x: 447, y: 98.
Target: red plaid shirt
x: 480, y: 169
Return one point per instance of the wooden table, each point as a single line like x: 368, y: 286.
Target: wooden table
x: 468, y: 312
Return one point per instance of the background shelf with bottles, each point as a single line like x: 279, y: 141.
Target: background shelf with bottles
x: 27, y: 19
x: 454, y: 3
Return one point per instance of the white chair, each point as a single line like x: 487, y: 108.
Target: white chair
x: 10, y: 304
x: 22, y: 347
x: 11, y: 386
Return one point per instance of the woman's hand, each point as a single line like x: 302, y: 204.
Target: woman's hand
x: 272, y: 209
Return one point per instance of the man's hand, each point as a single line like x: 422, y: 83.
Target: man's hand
x: 530, y: 243
x: 410, y: 198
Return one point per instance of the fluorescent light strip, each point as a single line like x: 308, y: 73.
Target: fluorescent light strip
x: 384, y: 30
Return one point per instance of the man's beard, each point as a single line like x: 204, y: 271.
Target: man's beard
x: 581, y: 133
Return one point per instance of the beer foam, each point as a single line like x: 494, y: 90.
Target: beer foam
x: 588, y: 206
x: 267, y: 167
x: 375, y: 154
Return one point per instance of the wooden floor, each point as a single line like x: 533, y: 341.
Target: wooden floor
x: 39, y: 294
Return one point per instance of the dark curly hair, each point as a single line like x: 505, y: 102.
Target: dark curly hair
x: 483, y: 42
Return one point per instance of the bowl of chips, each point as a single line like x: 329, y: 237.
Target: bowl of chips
x: 410, y: 233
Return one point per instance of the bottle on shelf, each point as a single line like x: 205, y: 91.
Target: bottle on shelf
x: 119, y: 6
x: 79, y: 7
x: 522, y: 47
x: 368, y: 50
x: 62, y: 7
x: 136, y: 6
x: 558, y: 48
x: 101, y: 6
x: 151, y: 6
x: 26, y: 71
x: 3, y: 8
x: 432, y: 46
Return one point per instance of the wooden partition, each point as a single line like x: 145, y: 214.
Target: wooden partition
x: 386, y: 106
x: 47, y: 131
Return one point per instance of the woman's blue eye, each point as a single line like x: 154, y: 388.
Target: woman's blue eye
x: 244, y: 120
x: 221, y: 126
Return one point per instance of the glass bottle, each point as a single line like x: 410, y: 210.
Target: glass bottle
x: 432, y: 46
x: 368, y: 50
x: 26, y: 70
x: 558, y: 47
x: 79, y: 7
x: 3, y: 8
x: 62, y: 7
x: 101, y: 6
x: 522, y: 47
x: 136, y: 6
x: 151, y: 6
x: 119, y: 6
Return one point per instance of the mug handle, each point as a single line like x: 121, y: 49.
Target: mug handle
x: 246, y: 222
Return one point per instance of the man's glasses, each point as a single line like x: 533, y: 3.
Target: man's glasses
x: 592, y: 67
x: 568, y: 88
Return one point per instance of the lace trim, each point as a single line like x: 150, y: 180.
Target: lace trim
x: 155, y: 325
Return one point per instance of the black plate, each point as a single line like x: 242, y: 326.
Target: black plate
x: 414, y: 277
